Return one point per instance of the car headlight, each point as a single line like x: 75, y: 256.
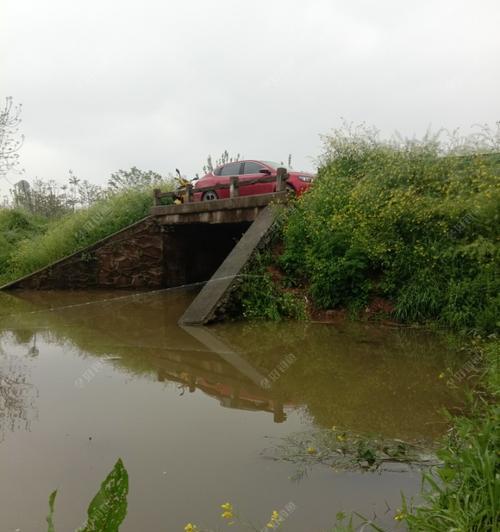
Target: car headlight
x: 305, y: 178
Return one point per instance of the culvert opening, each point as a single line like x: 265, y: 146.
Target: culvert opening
x: 193, y: 252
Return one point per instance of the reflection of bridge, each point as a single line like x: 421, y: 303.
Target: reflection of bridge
x: 230, y: 391
x: 253, y: 394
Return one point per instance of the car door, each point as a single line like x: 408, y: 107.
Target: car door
x: 251, y: 171
x: 226, y: 172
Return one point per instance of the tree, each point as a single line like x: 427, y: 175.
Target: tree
x: 73, y: 187
x: 42, y: 198
x: 134, y: 178
x: 10, y: 140
x: 22, y: 195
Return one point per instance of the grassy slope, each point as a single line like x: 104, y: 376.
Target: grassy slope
x: 15, y: 226
x: 34, y: 244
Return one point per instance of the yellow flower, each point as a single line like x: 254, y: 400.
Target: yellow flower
x: 441, y: 376
x: 274, y: 521
x: 190, y: 528
x: 228, y: 511
x: 340, y: 437
x: 400, y: 515
x: 311, y: 450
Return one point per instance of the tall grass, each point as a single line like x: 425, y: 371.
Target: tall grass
x: 74, y: 231
x: 16, y: 225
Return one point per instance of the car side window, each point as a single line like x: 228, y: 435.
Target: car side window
x: 231, y: 169
x: 252, y: 168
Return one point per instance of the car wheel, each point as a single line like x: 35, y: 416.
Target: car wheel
x: 210, y: 195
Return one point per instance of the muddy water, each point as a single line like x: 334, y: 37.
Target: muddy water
x: 90, y: 377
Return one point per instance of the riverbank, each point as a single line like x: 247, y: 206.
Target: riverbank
x: 406, y: 233
x: 464, y: 493
x: 408, y: 229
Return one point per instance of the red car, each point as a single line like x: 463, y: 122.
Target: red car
x: 297, y: 182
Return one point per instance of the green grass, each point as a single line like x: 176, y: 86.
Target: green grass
x: 46, y: 243
x: 262, y: 297
x: 464, y: 494
x: 404, y: 222
x: 16, y: 225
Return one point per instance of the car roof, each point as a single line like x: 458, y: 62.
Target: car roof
x: 271, y: 164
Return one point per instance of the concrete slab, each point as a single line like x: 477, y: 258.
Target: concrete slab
x: 203, y: 309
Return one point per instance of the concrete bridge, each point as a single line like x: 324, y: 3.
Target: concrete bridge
x: 194, y: 242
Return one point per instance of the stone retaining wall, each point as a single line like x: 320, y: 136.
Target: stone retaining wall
x: 131, y: 258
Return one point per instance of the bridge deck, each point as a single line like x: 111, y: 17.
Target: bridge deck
x: 231, y: 210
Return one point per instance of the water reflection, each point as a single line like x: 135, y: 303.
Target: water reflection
x: 365, y: 378
x: 17, y: 394
x: 227, y: 376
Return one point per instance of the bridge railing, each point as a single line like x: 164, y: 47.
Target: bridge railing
x: 235, y: 183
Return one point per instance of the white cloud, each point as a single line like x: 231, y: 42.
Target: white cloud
x: 160, y: 84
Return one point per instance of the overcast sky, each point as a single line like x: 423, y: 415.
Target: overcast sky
x: 160, y: 84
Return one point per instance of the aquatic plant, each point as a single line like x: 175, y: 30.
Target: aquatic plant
x: 107, y: 509
x: 231, y: 516
x: 346, y: 450
x: 354, y: 523
x: 463, y: 492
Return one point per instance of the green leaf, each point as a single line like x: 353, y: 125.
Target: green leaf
x: 50, y: 517
x: 108, y: 509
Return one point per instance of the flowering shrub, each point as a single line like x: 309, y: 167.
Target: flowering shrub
x: 412, y: 222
